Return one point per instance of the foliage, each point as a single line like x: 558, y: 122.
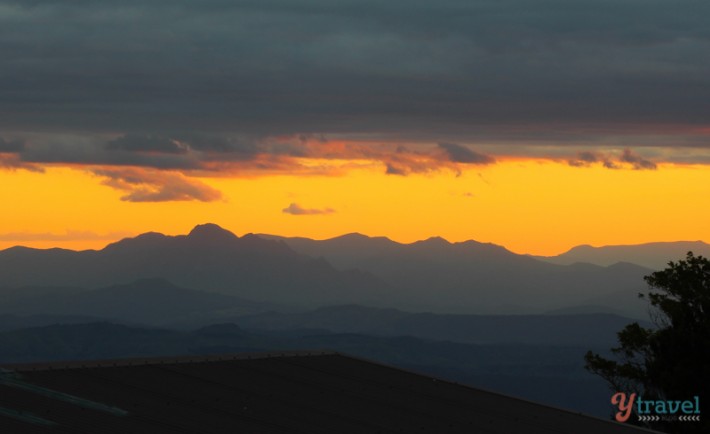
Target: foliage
x: 672, y: 360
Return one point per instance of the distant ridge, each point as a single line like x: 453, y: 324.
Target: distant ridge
x: 554, y: 329
x: 473, y: 277
x: 650, y: 255
x: 145, y: 301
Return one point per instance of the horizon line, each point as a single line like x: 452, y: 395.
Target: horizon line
x: 112, y: 239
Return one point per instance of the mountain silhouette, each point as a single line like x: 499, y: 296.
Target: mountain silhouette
x: 430, y: 275
x: 474, y: 277
x: 650, y: 255
x: 208, y: 258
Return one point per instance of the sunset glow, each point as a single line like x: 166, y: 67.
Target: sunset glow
x: 527, y: 205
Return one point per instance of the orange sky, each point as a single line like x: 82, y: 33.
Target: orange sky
x: 527, y: 205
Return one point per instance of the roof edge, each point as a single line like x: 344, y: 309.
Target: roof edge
x: 484, y: 390
x: 162, y: 360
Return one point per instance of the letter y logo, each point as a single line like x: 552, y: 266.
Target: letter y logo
x: 619, y: 400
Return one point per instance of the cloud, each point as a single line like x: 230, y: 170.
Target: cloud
x: 186, y: 157
x: 10, y: 158
x: 612, y: 161
x: 197, y: 154
x: 587, y: 158
x: 156, y: 186
x: 462, y: 72
x: 13, y: 162
x: 391, y: 169
x: 461, y: 154
x: 163, y: 94
x: 444, y: 156
x: 148, y: 143
x: 638, y: 162
x: 610, y: 164
x: 296, y: 209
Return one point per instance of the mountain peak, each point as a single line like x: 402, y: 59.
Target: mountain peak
x: 434, y: 241
x: 352, y: 236
x: 210, y: 232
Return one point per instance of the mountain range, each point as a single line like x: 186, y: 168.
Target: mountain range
x: 209, y: 258
x: 432, y: 275
x: 157, y: 302
x: 473, y: 277
x: 470, y: 312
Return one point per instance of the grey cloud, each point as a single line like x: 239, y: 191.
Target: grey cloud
x: 391, y: 169
x: 637, y: 161
x: 586, y: 158
x: 178, y: 151
x: 10, y: 158
x: 96, y: 153
x: 226, y: 146
x: 413, y: 68
x: 143, y: 185
x: 148, y: 143
x: 208, y: 154
x: 612, y: 161
x: 461, y: 154
x: 13, y: 162
x: 296, y: 209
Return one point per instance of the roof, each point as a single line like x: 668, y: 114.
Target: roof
x: 291, y: 392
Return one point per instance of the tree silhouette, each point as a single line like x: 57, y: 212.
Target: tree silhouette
x: 672, y: 360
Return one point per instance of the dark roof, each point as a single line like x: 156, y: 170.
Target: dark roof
x: 293, y: 392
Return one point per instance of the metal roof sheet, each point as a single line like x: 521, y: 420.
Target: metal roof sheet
x: 290, y: 392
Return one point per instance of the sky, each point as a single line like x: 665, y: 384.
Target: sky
x: 536, y: 125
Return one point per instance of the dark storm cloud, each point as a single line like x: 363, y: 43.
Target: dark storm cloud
x: 445, y: 70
